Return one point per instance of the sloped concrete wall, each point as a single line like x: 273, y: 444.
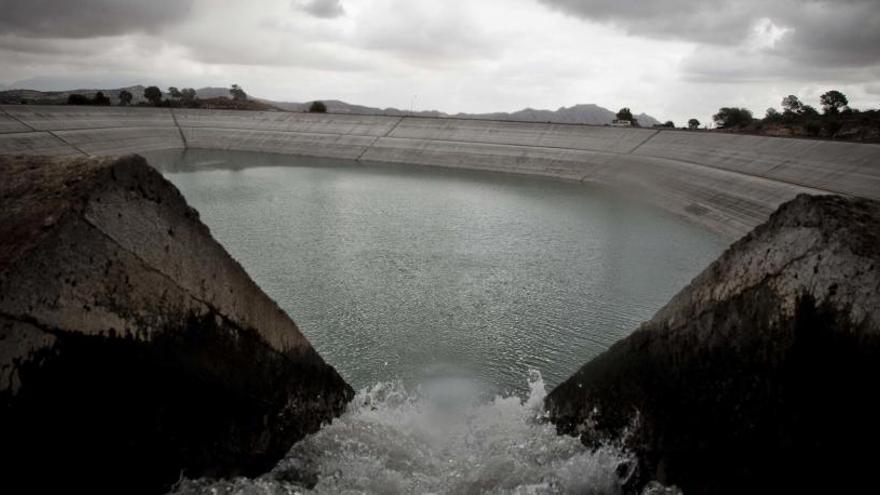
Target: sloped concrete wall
x: 132, y: 346
x: 844, y: 168
x: 757, y: 370
x: 59, y: 130
x: 729, y: 183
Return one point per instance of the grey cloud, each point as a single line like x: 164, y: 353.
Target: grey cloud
x: 445, y: 35
x: 325, y: 9
x: 88, y: 18
x: 825, y: 32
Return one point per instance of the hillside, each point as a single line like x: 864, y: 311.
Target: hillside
x: 577, y: 114
x: 213, y: 97
x: 30, y: 96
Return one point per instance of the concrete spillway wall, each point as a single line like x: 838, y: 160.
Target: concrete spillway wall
x: 729, y: 183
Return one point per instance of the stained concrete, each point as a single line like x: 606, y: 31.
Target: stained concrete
x: 728, y: 183
x: 758, y: 376
x: 132, y: 346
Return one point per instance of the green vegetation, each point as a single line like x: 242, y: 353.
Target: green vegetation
x: 188, y: 97
x: 79, y: 99
x: 626, y: 114
x: 833, y: 101
x: 185, y: 97
x: 125, y: 98
x: 693, y: 124
x: 836, y: 121
x: 732, y: 118
x: 154, y: 95
x: 237, y: 93
x: 318, y: 107
x: 101, y: 99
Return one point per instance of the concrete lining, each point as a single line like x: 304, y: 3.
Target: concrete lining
x: 729, y: 183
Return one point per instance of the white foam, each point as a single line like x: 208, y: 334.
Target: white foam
x: 394, y: 440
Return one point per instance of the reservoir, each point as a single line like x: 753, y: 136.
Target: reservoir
x: 452, y: 300
x: 398, y: 272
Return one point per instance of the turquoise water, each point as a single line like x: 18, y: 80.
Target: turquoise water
x: 404, y: 272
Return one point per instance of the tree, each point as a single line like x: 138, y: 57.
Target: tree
x: 833, y: 101
x: 670, y: 124
x: 237, y: 93
x: 78, y: 99
x: 731, y: 117
x: 772, y: 115
x: 125, y: 97
x: 153, y: 94
x: 188, y: 95
x: 808, y: 111
x: 792, y: 104
x: 318, y: 107
x: 174, y: 92
x: 625, y: 114
x: 100, y: 99
x: 693, y: 124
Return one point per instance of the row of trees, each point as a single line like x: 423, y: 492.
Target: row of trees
x: 99, y: 99
x: 795, y: 115
x: 185, y: 97
x: 794, y: 111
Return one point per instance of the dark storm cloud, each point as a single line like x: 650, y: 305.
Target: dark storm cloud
x: 827, y: 32
x: 325, y: 9
x: 88, y: 18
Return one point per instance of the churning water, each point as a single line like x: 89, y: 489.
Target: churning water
x: 439, y: 438
x: 446, y: 288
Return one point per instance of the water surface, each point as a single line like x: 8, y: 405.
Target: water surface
x: 397, y: 272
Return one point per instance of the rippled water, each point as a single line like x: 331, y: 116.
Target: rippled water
x: 393, y: 270
x: 438, y: 293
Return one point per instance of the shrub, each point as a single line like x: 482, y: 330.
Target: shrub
x: 78, y: 99
x: 237, y: 93
x: 832, y: 127
x: 318, y: 107
x: 101, y: 99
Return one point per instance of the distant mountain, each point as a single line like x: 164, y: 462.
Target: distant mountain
x: 60, y: 97
x: 578, y: 114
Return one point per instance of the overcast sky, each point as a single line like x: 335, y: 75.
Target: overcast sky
x: 673, y: 59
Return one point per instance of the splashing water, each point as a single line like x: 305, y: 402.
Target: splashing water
x: 438, y: 438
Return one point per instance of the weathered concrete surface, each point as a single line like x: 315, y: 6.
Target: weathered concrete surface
x: 844, y: 168
x: 728, y: 183
x: 132, y: 347
x: 758, y: 376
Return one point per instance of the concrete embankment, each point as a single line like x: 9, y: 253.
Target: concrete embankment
x: 133, y: 348
x: 758, y: 376
x: 729, y: 183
